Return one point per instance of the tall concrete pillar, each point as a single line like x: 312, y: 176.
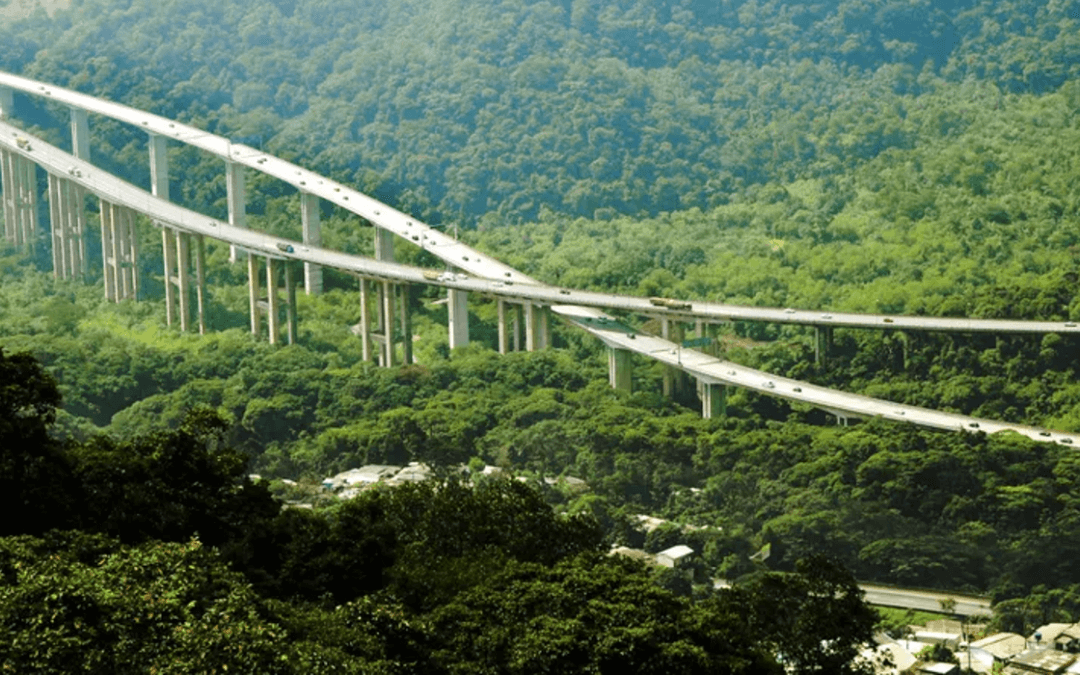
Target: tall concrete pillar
x: 236, y: 196
x: 7, y: 179
x: 119, y: 252
x: 80, y: 134
x: 619, y: 368
x: 7, y: 103
x: 183, y: 278
x: 253, y: 294
x: 823, y: 338
x: 458, y: 311
x: 519, y: 323
x: 669, y: 372
x: 108, y: 251
x: 168, y: 255
x: 387, y: 297
x: 272, y: 308
x: 200, y: 282
x: 537, y: 327
x: 713, y: 400
x: 159, y: 166
x: 504, y: 336
x: 67, y: 222
x: 312, y: 230
x: 384, y: 245
x: 544, y: 325
x: 19, y: 177
x: 125, y: 223
x: 59, y: 258
x: 290, y: 303
x: 406, y: 324
x: 365, y: 320
x: 384, y: 250
x: 530, y: 326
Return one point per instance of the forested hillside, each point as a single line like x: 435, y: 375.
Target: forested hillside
x: 884, y: 156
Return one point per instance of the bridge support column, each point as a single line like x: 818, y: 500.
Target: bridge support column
x: 510, y: 321
x: 312, y: 231
x: 159, y: 166
x: 545, y: 327
x: 177, y: 257
x: 19, y: 177
x: 200, y: 282
x: 290, y: 303
x: 168, y: 258
x: 384, y: 245
x: 519, y: 323
x: 253, y: 294
x: 7, y: 179
x: 67, y: 220
x: 384, y: 250
x: 386, y: 296
x: 406, y: 324
x: 183, y: 278
x: 530, y: 327
x: 823, y: 338
x: 80, y: 134
x: 537, y: 327
x: 669, y: 372
x: 119, y: 252
x: 674, y: 379
x: 365, y: 320
x: 7, y: 103
x: 58, y: 231
x: 458, y: 312
x: 272, y: 309
x: 620, y: 369
x: 504, y: 336
x: 236, y: 196
x: 713, y: 400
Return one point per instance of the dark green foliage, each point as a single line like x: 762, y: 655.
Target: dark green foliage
x: 36, y: 484
x: 815, y: 619
x: 171, y: 485
x: 590, y: 615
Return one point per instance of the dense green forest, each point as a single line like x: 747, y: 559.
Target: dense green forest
x: 155, y: 553
x: 872, y: 155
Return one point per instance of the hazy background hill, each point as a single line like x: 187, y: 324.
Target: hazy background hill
x: 457, y: 109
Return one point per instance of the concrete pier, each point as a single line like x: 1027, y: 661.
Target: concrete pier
x: 620, y: 369
x: 7, y: 103
x: 119, y: 252
x: 406, y: 324
x: 312, y: 233
x: 253, y: 295
x: 67, y: 220
x: 80, y: 134
x: 272, y: 309
x: 236, y: 197
x: 365, y: 320
x: 271, y: 306
x: 386, y: 323
x: 823, y: 339
x: 713, y: 400
x: 504, y: 335
x: 19, y: 179
x: 537, y: 327
x: 458, y: 313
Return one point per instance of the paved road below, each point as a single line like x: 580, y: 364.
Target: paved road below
x: 927, y: 601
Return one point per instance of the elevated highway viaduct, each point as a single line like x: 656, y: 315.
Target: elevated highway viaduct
x: 71, y: 176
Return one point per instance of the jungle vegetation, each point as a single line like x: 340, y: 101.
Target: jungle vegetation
x: 885, y: 156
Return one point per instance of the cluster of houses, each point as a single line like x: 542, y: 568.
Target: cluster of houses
x: 348, y: 484
x: 1053, y: 649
